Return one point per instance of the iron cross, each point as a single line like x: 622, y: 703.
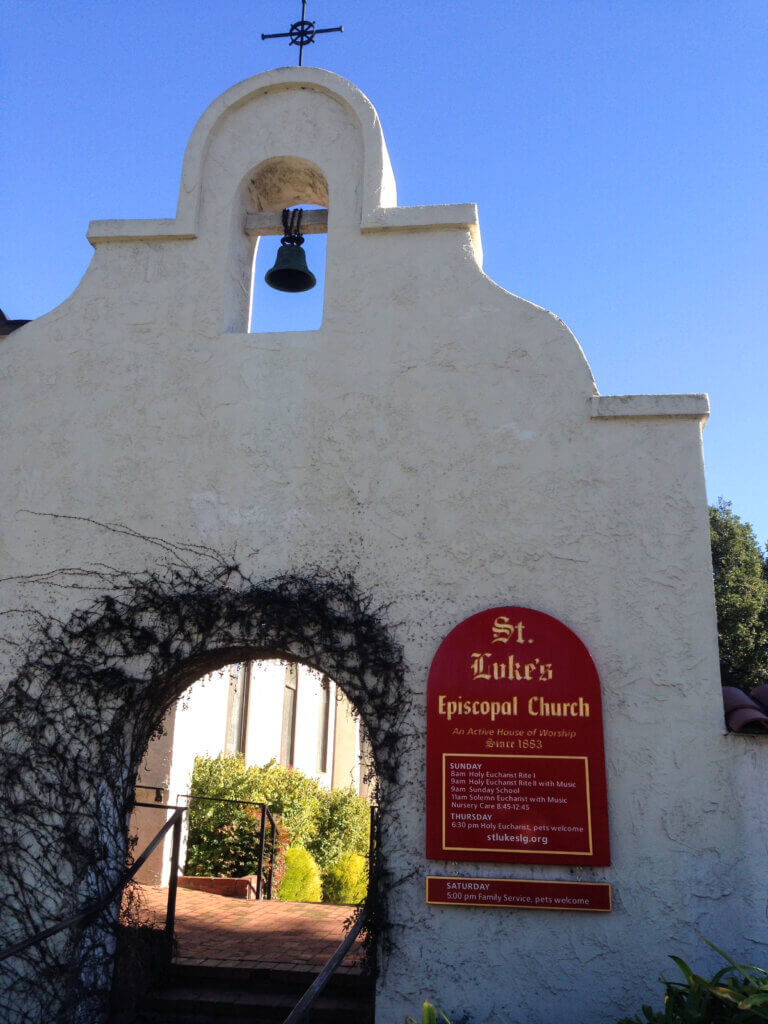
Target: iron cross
x: 302, y: 32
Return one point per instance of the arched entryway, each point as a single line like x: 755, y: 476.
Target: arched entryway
x: 89, y: 694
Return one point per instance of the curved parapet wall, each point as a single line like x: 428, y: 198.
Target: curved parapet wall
x: 378, y: 183
x: 379, y: 210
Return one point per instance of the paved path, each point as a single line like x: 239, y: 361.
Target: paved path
x: 267, y: 934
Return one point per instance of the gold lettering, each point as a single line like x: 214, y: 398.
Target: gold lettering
x: 479, y: 667
x: 502, y: 630
x: 538, y: 707
x: 495, y: 709
x: 514, y: 671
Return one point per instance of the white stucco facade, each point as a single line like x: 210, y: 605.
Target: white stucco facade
x: 444, y: 442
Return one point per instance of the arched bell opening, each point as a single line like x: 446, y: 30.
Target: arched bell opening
x: 279, y: 184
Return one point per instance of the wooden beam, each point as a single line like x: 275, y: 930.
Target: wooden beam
x: 313, y: 222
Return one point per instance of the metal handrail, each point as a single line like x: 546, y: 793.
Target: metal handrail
x: 298, y: 1013
x: 90, y: 910
x: 265, y: 813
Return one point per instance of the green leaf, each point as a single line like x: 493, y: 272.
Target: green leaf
x: 686, y: 970
x: 428, y: 1013
x: 741, y: 968
x: 758, y: 999
x: 726, y: 994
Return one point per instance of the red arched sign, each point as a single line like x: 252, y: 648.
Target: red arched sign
x: 515, y: 760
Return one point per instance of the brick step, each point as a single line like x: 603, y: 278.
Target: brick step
x: 163, y: 1017
x: 266, y: 980
x: 183, y: 1003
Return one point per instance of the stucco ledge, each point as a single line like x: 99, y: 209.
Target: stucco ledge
x: 688, y: 407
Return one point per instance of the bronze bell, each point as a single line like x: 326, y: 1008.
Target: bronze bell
x: 290, y: 272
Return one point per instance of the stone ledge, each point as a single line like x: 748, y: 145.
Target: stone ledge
x: 393, y: 218
x: 688, y: 407
x: 421, y: 218
x: 454, y: 216
x: 170, y: 230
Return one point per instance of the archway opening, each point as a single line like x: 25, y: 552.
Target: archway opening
x: 90, y: 691
x: 273, y: 771
x: 274, y: 768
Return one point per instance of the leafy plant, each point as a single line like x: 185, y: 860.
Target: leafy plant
x: 282, y: 844
x: 736, y: 994
x: 223, y: 837
x: 346, y: 881
x: 292, y: 795
x: 342, y: 826
x: 429, y: 1015
x: 301, y: 882
x: 740, y: 573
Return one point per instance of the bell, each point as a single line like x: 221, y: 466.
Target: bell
x: 290, y: 272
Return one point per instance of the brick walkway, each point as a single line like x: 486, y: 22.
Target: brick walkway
x: 268, y: 934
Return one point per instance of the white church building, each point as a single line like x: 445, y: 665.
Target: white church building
x: 436, y: 449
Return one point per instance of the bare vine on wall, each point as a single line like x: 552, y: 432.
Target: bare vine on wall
x: 89, y: 689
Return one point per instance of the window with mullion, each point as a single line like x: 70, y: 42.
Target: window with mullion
x: 290, y: 702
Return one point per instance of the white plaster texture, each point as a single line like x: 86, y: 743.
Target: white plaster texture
x: 439, y: 438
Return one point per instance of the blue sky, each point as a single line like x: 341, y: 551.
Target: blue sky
x: 616, y: 150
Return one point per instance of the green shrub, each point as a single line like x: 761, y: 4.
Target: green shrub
x: 292, y: 795
x: 737, y: 994
x: 301, y: 881
x: 343, y: 826
x: 223, y: 837
x: 282, y: 845
x: 346, y: 881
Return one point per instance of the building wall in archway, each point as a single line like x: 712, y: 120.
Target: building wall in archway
x: 444, y: 443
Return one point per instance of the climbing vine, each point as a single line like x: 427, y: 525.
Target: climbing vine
x: 88, y: 689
